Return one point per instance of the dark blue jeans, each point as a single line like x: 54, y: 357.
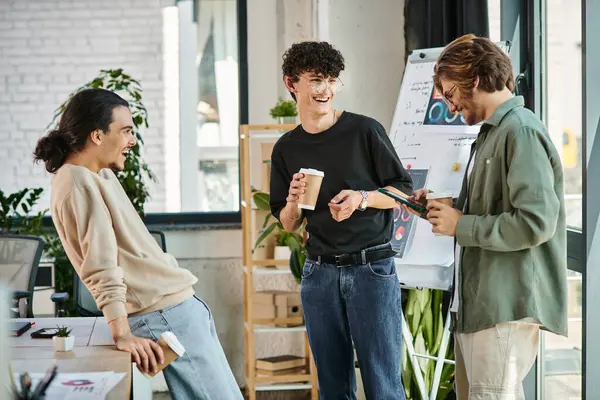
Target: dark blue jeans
x: 360, y: 304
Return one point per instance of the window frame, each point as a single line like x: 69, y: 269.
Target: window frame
x: 222, y: 217
x: 201, y: 220
x: 591, y: 196
x: 579, y: 241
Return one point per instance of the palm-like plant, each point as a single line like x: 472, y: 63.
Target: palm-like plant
x: 293, y: 240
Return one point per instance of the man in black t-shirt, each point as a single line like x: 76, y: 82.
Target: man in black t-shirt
x: 350, y: 292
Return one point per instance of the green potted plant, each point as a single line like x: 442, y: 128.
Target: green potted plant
x: 15, y: 212
x: 285, y: 111
x: 63, y: 341
x: 289, y: 245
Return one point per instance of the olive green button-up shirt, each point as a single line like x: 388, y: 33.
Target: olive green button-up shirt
x: 513, y: 234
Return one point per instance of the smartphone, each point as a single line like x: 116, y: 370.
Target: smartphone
x: 417, y: 207
x: 44, y: 333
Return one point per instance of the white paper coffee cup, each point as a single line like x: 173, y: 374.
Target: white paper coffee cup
x: 313, y: 179
x: 442, y: 197
x: 172, y: 350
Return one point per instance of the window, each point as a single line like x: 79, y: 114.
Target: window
x: 560, y: 357
x: 204, y: 165
x: 494, y: 19
x: 189, y: 57
x: 218, y: 106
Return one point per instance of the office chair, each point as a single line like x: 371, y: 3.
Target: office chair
x: 159, y: 236
x: 85, y: 303
x: 19, y: 260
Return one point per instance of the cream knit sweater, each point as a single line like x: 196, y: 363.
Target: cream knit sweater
x: 111, y: 249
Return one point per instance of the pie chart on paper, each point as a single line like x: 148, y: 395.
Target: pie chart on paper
x: 399, y: 233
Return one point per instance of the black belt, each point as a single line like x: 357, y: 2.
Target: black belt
x: 361, y: 257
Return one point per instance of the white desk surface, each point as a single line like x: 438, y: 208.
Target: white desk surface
x: 88, y: 331
x: 94, y: 351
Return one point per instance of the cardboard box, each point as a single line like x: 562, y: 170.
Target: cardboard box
x: 278, y: 298
x: 289, y: 312
x: 288, y: 299
x: 263, y: 311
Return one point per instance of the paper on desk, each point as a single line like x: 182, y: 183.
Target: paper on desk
x: 71, y: 386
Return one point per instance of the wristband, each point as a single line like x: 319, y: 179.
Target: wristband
x: 293, y: 219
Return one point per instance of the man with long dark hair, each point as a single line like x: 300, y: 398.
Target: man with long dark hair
x: 141, y: 291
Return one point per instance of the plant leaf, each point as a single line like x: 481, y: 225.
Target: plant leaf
x: 262, y: 201
x: 267, y: 217
x: 264, y: 235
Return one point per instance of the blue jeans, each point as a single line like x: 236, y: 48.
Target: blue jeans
x: 360, y: 304
x: 203, y: 371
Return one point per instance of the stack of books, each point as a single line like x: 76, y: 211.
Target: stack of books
x: 281, y: 365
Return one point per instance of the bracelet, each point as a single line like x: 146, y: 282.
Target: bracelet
x: 287, y: 216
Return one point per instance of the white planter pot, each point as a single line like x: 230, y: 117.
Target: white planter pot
x: 63, y: 343
x: 286, y: 120
x: 282, y: 253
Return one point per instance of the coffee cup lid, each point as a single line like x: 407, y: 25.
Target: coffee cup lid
x: 311, y: 171
x: 440, y: 195
x: 173, y: 342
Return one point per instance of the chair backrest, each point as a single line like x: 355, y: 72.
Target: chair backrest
x: 19, y: 259
x: 160, y: 239
x: 85, y: 303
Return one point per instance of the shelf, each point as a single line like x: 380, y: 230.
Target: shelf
x: 253, y: 137
x: 294, y: 386
x: 270, y: 262
x: 283, y: 378
x: 278, y: 321
x: 268, y: 271
x: 273, y: 329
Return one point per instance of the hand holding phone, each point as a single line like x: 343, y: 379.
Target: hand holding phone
x: 420, y: 209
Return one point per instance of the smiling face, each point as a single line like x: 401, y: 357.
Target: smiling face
x: 468, y: 104
x: 314, y: 92
x: 113, y: 146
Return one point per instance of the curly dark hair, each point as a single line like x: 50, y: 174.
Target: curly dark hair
x: 317, y: 57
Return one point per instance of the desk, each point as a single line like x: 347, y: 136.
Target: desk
x: 94, y: 351
x: 83, y: 329
x: 88, y: 359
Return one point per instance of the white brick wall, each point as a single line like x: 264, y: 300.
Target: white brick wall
x: 48, y: 48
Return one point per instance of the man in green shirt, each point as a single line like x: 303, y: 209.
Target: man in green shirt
x: 509, y: 224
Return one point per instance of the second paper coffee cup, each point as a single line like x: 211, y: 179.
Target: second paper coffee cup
x: 313, y: 179
x: 172, y: 350
x: 442, y: 197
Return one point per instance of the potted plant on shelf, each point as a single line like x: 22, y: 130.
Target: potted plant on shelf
x: 289, y: 245
x: 63, y: 341
x: 285, y: 111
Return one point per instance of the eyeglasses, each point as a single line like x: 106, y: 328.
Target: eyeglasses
x: 448, y: 96
x: 319, y: 85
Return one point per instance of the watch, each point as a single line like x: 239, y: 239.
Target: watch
x: 365, y: 201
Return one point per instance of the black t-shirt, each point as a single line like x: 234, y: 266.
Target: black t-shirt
x: 355, y: 153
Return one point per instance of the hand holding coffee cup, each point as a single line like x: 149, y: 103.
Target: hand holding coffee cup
x: 297, y: 186
x: 172, y: 350
x: 442, y: 216
x: 311, y: 186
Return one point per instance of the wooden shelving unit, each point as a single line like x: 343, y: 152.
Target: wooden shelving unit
x: 251, y: 267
